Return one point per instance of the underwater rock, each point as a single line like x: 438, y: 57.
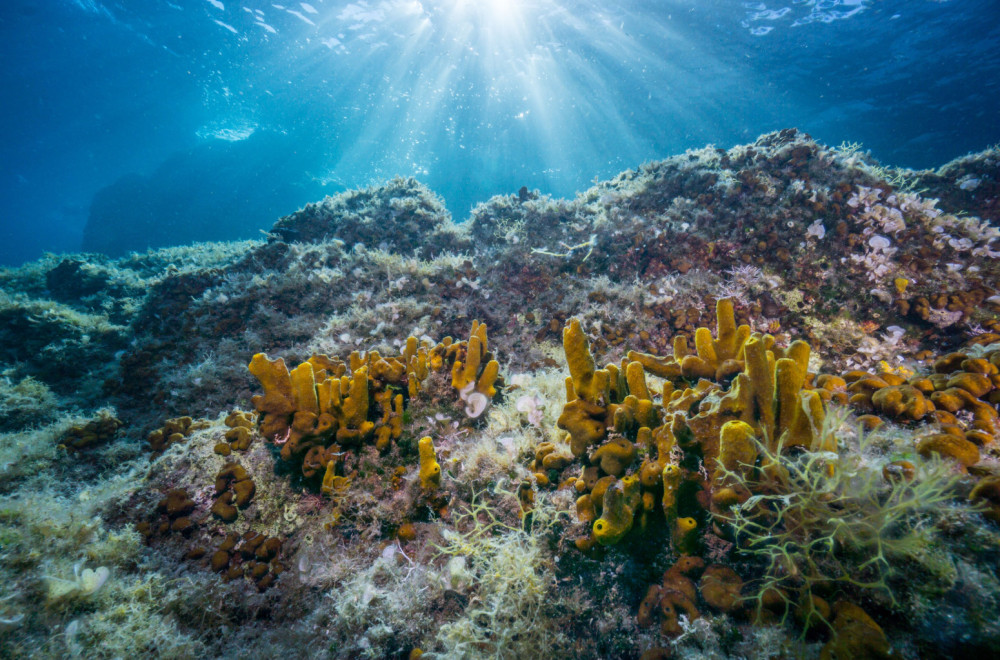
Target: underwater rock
x: 402, y: 216
x: 789, y: 342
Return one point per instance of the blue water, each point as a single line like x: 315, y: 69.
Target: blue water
x: 222, y: 115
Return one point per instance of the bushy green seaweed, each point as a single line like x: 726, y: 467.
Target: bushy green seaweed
x: 514, y: 607
x: 819, y: 520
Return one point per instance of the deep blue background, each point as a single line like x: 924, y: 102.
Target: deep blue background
x: 474, y: 97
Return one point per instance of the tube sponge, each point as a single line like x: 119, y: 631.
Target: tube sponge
x: 430, y: 469
x: 737, y: 451
x: 685, y: 535
x: 615, y: 456
x: 589, y: 383
x: 585, y: 423
x: 616, y: 520
x: 672, y: 476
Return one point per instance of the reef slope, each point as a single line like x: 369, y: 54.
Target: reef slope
x: 138, y: 516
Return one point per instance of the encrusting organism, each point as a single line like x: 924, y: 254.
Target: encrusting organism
x: 960, y: 395
x: 234, y: 488
x: 173, y: 431
x: 99, y: 430
x: 240, y: 435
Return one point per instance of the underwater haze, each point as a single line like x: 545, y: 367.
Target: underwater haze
x: 128, y: 125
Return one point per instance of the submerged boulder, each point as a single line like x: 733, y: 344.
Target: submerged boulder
x: 403, y: 216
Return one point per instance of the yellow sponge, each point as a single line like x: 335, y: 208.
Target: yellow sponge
x: 430, y: 469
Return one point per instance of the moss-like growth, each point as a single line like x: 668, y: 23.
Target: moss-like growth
x: 28, y: 402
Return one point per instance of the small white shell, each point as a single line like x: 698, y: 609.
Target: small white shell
x: 91, y: 580
x: 879, y: 242
x: 475, y: 404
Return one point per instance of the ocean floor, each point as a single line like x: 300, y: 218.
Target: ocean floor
x: 381, y: 433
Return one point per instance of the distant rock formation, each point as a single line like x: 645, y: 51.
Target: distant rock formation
x: 217, y: 191
x: 403, y: 215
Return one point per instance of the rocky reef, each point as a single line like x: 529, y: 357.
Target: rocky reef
x: 735, y: 403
